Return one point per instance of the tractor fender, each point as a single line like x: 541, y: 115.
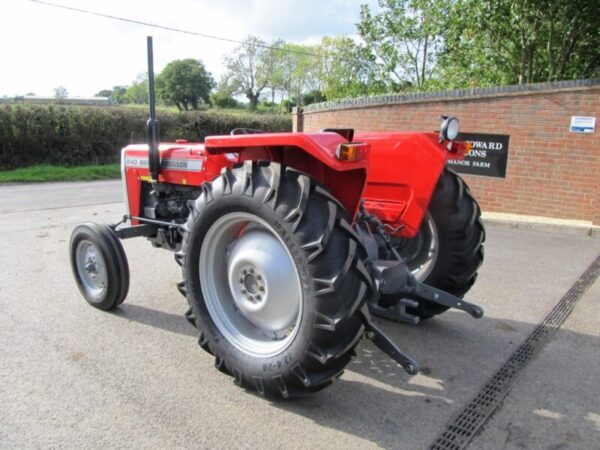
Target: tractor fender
x: 312, y: 153
x: 404, y: 170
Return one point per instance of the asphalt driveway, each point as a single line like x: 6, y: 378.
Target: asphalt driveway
x: 73, y: 376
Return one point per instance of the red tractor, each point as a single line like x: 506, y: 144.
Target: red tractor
x: 288, y: 242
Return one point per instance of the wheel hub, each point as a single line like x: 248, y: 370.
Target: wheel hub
x: 250, y: 284
x: 253, y: 285
x: 260, y: 274
x: 91, y: 267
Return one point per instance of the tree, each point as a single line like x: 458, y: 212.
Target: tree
x: 223, y: 96
x: 404, y: 40
x: 283, y: 74
x: 137, y: 93
x: 298, y: 70
x: 313, y: 96
x: 273, y: 57
x: 221, y: 100
x: 571, y: 39
x: 185, y: 83
x: 302, y: 71
x: 345, y: 69
x: 103, y: 93
x: 250, y: 68
x: 115, y: 95
x: 118, y: 95
x: 521, y: 41
x: 61, y: 92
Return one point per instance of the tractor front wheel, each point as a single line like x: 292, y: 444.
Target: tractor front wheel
x: 275, y: 278
x: 99, y: 265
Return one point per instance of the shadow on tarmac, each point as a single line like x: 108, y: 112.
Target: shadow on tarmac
x: 378, y: 402
x: 155, y: 318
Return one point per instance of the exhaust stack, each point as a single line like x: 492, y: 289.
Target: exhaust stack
x: 152, y: 124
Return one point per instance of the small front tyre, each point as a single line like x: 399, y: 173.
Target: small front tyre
x: 99, y: 265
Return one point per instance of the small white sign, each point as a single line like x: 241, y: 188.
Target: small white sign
x: 582, y: 124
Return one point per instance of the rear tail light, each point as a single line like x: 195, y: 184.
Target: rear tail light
x: 352, y: 151
x: 460, y: 148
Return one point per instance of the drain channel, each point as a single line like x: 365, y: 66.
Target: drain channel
x: 461, y: 430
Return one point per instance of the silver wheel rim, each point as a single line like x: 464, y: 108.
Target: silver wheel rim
x: 91, y: 268
x: 423, y: 269
x: 250, y: 284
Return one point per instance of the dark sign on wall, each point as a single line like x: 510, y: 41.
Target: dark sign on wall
x: 488, y: 155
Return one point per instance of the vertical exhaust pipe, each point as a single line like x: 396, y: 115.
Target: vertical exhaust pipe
x: 152, y: 124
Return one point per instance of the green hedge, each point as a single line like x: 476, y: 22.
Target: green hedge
x: 80, y: 135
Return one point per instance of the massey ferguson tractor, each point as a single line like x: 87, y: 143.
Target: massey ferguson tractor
x: 290, y: 242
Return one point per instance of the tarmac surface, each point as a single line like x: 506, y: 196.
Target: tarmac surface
x: 73, y: 376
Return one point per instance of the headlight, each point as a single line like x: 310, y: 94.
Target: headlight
x: 449, y: 128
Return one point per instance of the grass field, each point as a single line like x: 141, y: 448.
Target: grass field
x: 59, y: 173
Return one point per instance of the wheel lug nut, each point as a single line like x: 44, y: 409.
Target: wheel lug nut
x: 251, y: 270
x: 257, y: 298
x: 241, y: 280
x: 261, y: 289
x: 258, y: 277
x: 243, y: 291
x: 244, y: 272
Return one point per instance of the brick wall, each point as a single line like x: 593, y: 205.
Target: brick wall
x: 551, y: 172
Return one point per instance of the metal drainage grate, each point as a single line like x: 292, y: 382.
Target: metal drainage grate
x: 463, y: 428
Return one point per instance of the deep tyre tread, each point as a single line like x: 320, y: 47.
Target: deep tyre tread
x: 327, y: 254
x: 461, y: 235
x: 105, y: 239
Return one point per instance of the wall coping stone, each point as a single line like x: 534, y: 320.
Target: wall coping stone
x: 453, y: 95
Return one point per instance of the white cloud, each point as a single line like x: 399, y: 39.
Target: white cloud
x: 43, y: 47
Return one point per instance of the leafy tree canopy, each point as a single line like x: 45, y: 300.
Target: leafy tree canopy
x: 185, y: 83
x: 103, y: 93
x: 61, y: 92
x: 251, y: 68
x: 138, y: 91
x: 404, y: 45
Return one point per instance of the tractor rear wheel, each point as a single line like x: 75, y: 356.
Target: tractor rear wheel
x: 275, y: 279
x: 448, y: 249
x: 99, y: 265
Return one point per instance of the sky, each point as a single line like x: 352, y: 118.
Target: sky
x: 42, y: 47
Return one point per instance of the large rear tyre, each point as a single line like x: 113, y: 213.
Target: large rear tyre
x: 99, y: 265
x: 275, y: 278
x: 448, y: 249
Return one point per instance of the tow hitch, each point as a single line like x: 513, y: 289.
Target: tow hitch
x: 397, y: 280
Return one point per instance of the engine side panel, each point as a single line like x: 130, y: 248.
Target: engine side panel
x: 180, y: 165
